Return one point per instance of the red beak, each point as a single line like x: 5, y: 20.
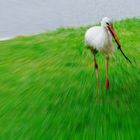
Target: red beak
x: 112, y: 31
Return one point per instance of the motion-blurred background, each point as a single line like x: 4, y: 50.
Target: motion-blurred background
x: 47, y: 80
x: 33, y: 16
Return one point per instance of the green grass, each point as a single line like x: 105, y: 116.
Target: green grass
x: 48, y: 87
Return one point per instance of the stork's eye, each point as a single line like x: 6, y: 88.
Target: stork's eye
x: 107, y: 23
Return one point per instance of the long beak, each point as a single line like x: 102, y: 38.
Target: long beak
x: 113, y: 33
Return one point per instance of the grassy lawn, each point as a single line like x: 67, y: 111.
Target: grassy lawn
x: 48, y: 87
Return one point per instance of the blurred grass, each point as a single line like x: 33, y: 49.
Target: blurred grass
x: 48, y: 87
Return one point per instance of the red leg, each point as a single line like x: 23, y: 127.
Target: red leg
x: 107, y: 79
x: 97, y: 75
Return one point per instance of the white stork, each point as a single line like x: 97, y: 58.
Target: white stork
x: 99, y: 39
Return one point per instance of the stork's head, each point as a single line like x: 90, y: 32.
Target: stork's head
x: 105, y: 22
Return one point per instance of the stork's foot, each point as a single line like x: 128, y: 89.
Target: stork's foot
x: 107, y: 83
x: 97, y: 75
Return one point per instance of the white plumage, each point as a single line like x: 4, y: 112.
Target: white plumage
x: 99, y: 38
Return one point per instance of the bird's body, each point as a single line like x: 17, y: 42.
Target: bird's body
x: 99, y: 38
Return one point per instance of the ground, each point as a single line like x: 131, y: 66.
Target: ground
x: 48, y: 87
